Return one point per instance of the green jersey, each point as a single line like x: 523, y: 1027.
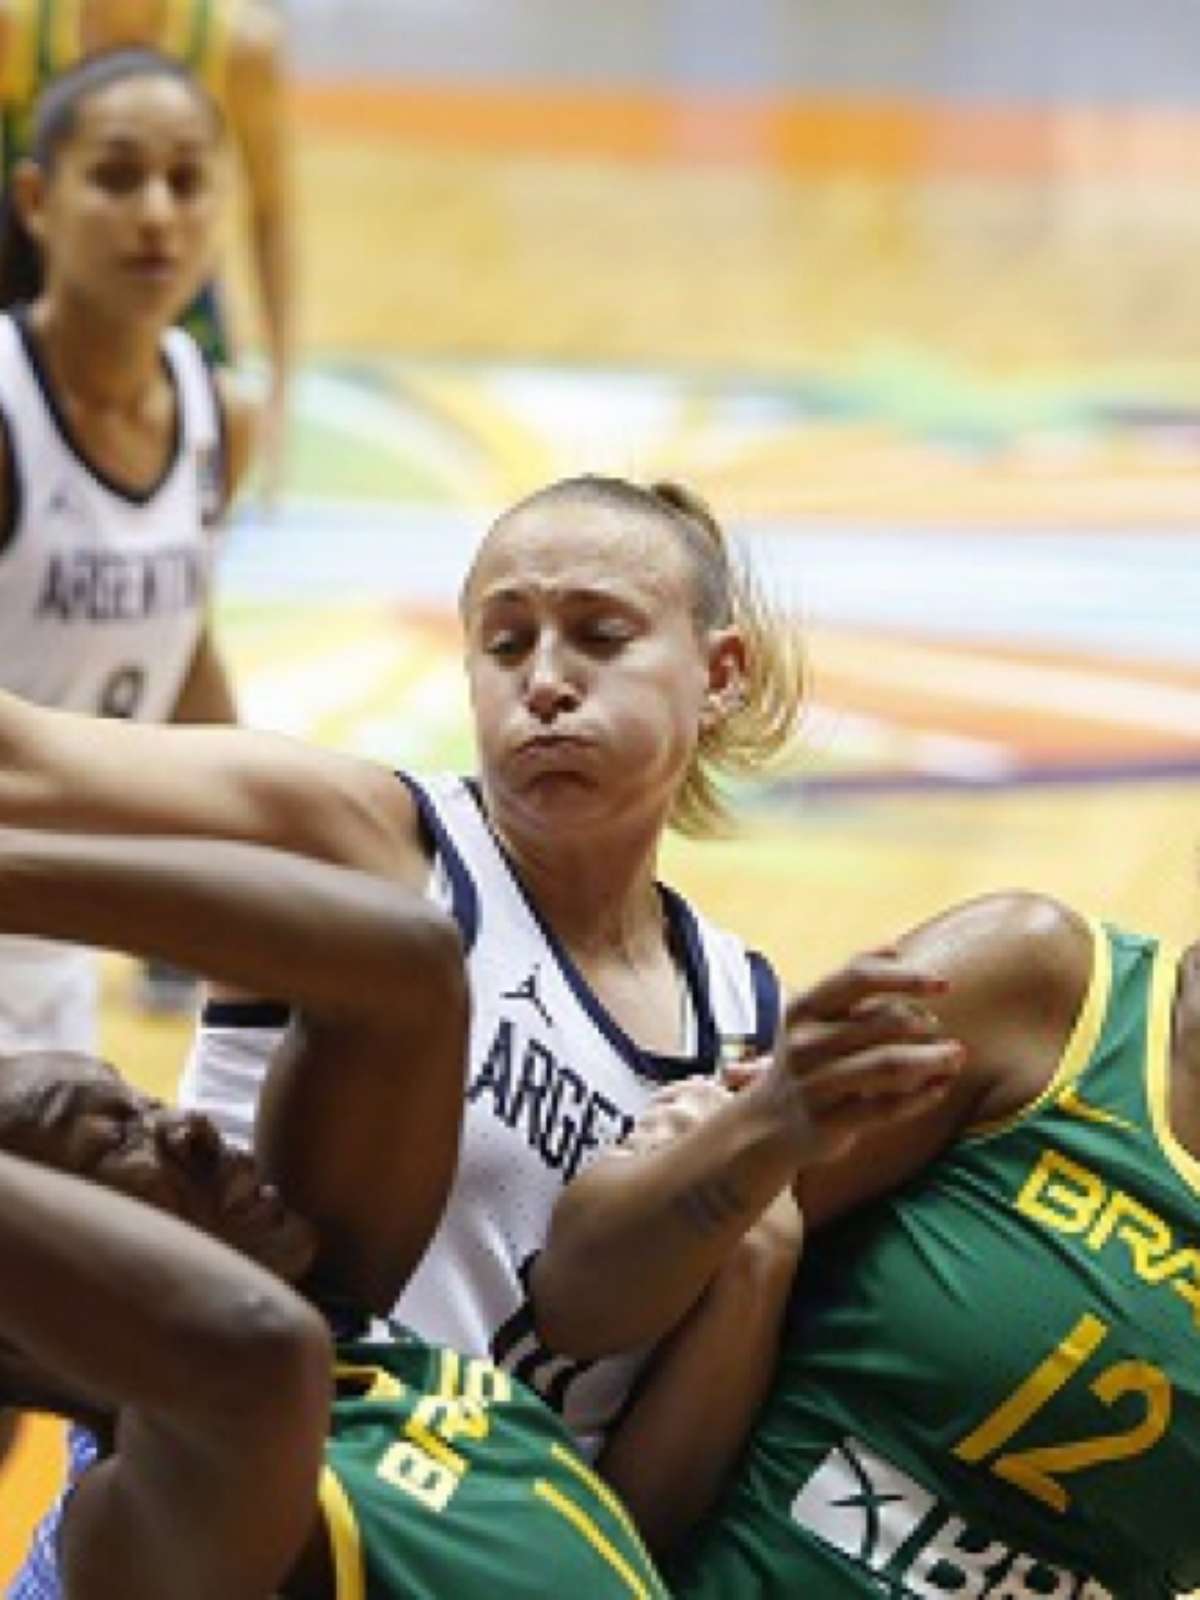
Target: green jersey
x: 990, y: 1385
x: 44, y: 39
x: 445, y: 1478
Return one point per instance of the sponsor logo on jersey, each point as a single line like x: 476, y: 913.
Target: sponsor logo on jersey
x: 123, y: 586
x: 912, y: 1544
x: 1062, y: 1194
x: 541, y: 1097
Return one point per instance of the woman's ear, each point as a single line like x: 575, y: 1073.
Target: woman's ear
x: 27, y: 186
x: 726, y: 689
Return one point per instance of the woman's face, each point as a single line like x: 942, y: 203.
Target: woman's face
x: 76, y: 1115
x: 588, y: 675
x: 126, y: 217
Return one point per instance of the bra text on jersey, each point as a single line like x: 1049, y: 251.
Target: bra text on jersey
x: 120, y: 586
x: 550, y: 1103
x: 1068, y: 1197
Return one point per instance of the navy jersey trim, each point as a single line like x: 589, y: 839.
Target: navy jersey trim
x: 245, y: 1014
x: 767, y: 999
x: 685, y: 939
x: 13, y: 486
x: 464, y: 896
x: 133, y: 497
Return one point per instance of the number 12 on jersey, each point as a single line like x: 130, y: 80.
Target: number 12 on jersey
x: 1038, y: 1471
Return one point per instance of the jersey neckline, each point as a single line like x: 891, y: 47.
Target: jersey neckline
x: 126, y: 492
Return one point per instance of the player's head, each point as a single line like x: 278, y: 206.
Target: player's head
x: 119, y: 199
x: 77, y: 1115
x: 618, y: 658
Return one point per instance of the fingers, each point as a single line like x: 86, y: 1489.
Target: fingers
x: 884, y: 1072
x: 864, y: 1048
x: 874, y: 974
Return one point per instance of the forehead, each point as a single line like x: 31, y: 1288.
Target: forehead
x: 565, y: 546
x: 145, y: 110
x: 58, y: 1082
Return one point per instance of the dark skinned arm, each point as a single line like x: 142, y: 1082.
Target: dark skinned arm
x: 220, y: 1373
x: 670, y: 1456
x: 64, y: 771
x: 366, y: 1098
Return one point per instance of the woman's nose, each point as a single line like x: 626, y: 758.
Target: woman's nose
x: 549, y: 689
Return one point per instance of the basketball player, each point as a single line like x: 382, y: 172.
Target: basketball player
x: 443, y: 1475
x: 117, y: 450
x: 988, y: 1383
x: 235, y: 48
x: 616, y: 661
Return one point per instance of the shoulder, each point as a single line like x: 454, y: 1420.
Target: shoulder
x: 1016, y: 942
x: 1018, y: 966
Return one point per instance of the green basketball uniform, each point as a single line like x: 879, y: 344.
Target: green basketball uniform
x: 446, y: 1479
x: 44, y: 40
x: 990, y: 1385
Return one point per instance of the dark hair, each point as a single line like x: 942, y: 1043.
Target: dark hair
x: 54, y: 121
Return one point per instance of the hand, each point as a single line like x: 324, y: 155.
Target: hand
x: 674, y: 1111
x: 860, y: 1049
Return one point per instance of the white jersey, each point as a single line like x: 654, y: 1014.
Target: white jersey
x: 552, y: 1079
x: 103, y: 593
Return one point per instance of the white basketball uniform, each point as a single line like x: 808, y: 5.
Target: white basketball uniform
x: 552, y: 1079
x: 103, y: 593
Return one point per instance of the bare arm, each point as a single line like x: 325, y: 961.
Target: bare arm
x: 220, y: 1372
x: 894, y: 1091
x: 259, y: 113
x: 1016, y: 969
x: 671, y: 1454
x: 366, y: 1099
x: 59, y: 770
x: 634, y: 1239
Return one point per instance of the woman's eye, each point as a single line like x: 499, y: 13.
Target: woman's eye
x: 610, y: 632
x: 188, y: 182
x: 118, y: 177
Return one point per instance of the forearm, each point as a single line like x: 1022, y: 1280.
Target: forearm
x: 637, y: 1237
x: 328, y: 939
x: 173, y: 1323
x: 65, y: 771
x: 674, y: 1450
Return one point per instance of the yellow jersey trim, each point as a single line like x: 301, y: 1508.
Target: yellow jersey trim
x: 583, y: 1525
x: 1163, y: 983
x: 1080, y: 1045
x: 66, y: 36
x: 345, y: 1541
x: 213, y: 65
x: 378, y: 1383
x: 21, y: 54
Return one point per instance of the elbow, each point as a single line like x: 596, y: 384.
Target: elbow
x: 263, y: 1358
